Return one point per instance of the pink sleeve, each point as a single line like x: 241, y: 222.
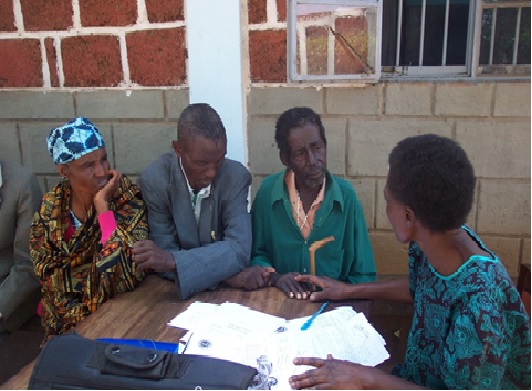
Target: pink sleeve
x: 107, y: 224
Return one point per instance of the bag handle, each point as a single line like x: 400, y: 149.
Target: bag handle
x: 133, y: 357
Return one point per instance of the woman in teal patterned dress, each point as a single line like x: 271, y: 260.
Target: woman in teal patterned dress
x: 470, y: 329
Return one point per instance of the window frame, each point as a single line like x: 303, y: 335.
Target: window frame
x: 470, y: 70
x: 476, y: 68
x: 292, y: 36
x: 423, y: 71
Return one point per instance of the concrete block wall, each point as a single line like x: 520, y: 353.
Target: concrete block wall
x: 490, y: 120
x: 137, y: 126
x: 362, y: 124
x: 123, y: 65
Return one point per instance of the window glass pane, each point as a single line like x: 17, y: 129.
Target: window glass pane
x: 434, y: 32
x: 389, y: 32
x: 502, y: 1
x: 411, y: 32
x: 316, y: 45
x: 457, y: 32
x: 351, y: 46
x: 485, y: 36
x: 335, y: 39
x: 523, y: 53
x: 436, y: 39
x: 503, y: 45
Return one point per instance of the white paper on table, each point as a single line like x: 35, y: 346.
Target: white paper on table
x: 343, y: 333
x: 236, y: 333
x: 195, y: 314
x: 227, y: 347
x: 226, y: 318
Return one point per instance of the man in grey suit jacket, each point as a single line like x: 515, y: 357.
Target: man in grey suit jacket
x: 20, y: 197
x: 200, y: 227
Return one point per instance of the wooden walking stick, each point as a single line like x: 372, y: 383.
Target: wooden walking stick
x: 312, y: 249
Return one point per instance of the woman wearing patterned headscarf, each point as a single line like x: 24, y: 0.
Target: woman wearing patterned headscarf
x: 81, y: 238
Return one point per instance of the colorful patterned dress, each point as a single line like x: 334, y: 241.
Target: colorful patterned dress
x: 77, y: 271
x: 470, y: 330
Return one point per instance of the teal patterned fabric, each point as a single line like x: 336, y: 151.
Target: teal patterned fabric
x: 470, y: 330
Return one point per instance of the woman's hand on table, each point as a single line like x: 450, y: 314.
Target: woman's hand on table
x: 331, y: 289
x: 330, y: 374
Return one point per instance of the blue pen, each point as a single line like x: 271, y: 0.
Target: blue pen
x: 307, y: 324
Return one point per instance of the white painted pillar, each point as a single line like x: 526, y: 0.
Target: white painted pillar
x: 216, y: 50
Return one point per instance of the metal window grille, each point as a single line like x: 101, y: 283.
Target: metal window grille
x: 504, y: 44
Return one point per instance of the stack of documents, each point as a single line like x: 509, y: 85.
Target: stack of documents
x: 236, y: 333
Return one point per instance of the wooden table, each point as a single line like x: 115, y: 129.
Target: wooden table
x: 145, y: 312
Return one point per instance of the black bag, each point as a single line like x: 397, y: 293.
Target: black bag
x: 70, y: 361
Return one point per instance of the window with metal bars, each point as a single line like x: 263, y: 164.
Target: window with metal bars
x: 373, y: 39
x: 504, y: 37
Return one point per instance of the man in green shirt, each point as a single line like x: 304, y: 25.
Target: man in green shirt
x: 303, y: 204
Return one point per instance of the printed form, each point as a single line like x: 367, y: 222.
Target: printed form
x: 237, y: 333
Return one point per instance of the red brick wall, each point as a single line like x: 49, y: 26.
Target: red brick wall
x: 281, y: 10
x: 90, y: 51
x: 267, y: 42
x: 24, y: 68
x: 267, y: 55
x: 165, y: 11
x: 257, y: 11
x: 153, y: 64
x: 7, y: 20
x: 45, y: 15
x: 91, y: 60
x: 108, y: 13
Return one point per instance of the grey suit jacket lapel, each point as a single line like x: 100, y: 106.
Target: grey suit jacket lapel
x: 184, y: 218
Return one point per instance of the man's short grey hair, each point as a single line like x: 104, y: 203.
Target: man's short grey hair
x: 200, y: 119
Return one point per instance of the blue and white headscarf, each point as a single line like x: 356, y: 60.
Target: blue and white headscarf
x: 73, y: 140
